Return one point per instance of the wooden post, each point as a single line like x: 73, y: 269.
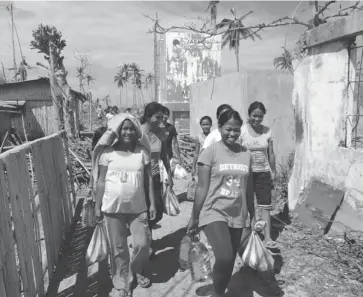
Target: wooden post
x: 90, y: 110
x: 12, y: 38
x: 58, y: 104
x: 156, y: 74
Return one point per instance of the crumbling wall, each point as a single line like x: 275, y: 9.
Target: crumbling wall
x: 322, y: 101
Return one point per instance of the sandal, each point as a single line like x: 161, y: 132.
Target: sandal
x: 143, y: 281
x: 120, y: 293
x: 271, y: 245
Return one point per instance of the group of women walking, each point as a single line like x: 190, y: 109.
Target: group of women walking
x: 233, y: 163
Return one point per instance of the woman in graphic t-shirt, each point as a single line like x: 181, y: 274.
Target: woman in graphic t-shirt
x: 120, y: 196
x: 257, y: 138
x: 205, y: 124
x: 224, y: 202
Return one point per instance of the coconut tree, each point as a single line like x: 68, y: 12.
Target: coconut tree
x: 235, y: 32
x: 136, y: 80
x: 149, y: 78
x: 122, y: 78
x: 284, y: 61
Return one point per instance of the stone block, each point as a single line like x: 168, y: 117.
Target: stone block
x: 318, y: 205
x: 350, y: 214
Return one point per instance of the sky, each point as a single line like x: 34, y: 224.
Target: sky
x: 113, y: 33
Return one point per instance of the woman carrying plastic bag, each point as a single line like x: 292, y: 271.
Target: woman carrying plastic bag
x: 122, y: 157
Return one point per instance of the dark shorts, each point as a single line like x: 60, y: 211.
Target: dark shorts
x: 262, y: 184
x: 158, y: 195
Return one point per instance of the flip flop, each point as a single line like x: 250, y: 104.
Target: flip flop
x: 120, y: 293
x: 143, y: 281
x: 271, y: 245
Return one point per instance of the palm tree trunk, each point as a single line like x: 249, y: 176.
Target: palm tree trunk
x: 237, y: 57
x: 120, y: 96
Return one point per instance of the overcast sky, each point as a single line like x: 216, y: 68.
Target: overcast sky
x: 116, y: 32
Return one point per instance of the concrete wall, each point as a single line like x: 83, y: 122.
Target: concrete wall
x: 322, y: 101
x: 273, y: 88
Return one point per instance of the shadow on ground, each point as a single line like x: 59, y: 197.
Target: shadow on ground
x: 166, y: 262
x: 70, y: 276
x: 246, y: 282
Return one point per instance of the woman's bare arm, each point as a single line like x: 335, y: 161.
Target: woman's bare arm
x: 100, y: 187
x: 196, y: 155
x: 250, y: 195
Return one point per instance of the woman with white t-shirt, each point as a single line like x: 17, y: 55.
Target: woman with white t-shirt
x: 257, y: 138
x: 121, y: 192
x: 215, y: 135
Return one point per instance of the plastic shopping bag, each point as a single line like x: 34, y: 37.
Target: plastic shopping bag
x: 171, y: 203
x: 256, y: 255
x: 98, y: 249
x: 163, y: 172
x: 180, y: 172
x: 192, y: 187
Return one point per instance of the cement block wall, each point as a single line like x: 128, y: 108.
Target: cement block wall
x: 272, y: 88
x: 322, y: 101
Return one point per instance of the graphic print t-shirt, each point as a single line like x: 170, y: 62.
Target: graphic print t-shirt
x: 226, y: 199
x: 258, y: 146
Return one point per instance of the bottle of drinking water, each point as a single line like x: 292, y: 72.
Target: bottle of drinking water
x: 199, y: 261
x: 185, y: 245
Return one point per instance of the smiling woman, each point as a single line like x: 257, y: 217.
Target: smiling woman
x: 121, y: 189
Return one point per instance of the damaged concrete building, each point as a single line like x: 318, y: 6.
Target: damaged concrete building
x: 328, y: 100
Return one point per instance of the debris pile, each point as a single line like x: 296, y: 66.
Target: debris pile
x: 187, y: 148
x: 80, y: 154
x: 342, y: 255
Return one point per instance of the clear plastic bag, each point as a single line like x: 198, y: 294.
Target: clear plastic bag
x: 179, y: 172
x: 98, y: 248
x: 171, y: 202
x: 88, y: 213
x: 256, y: 255
x: 192, y: 187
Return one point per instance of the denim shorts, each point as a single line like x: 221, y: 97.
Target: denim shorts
x: 262, y: 184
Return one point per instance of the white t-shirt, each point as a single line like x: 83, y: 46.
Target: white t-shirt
x: 109, y: 116
x: 124, y: 183
x: 213, y: 137
x: 258, y: 146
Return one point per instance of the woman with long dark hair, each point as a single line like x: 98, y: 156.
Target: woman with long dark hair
x: 151, y: 120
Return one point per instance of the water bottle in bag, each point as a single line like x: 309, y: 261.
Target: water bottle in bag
x: 185, y: 245
x: 199, y: 261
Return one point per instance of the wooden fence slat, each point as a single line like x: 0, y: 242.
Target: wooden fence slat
x: 48, y: 190
x: 65, y: 182
x: 62, y: 180
x: 27, y: 199
x: 44, y: 204
x: 50, y: 183
x: 2, y: 284
x: 56, y: 196
x: 26, y: 266
x: 11, y: 276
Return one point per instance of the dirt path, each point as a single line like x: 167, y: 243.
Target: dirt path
x: 297, y: 276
